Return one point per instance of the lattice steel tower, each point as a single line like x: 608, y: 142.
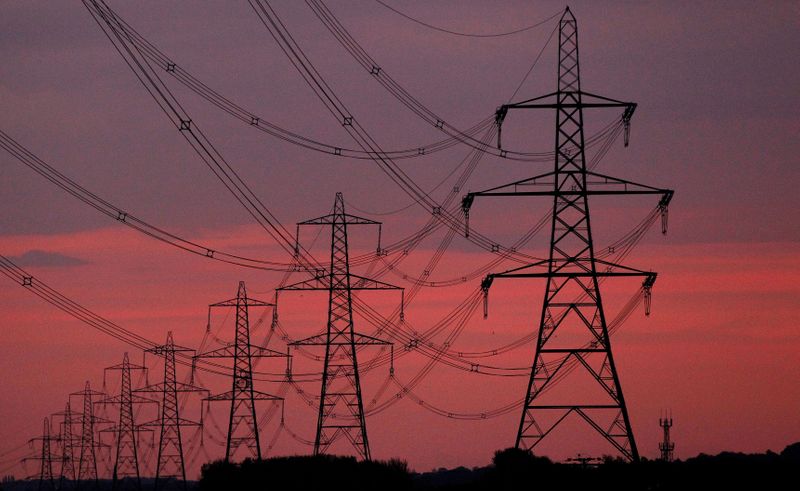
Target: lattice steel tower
x: 68, y: 471
x: 667, y: 446
x: 126, y: 463
x: 171, y: 468
x: 87, y: 462
x: 341, y: 410
x: 573, y: 332
x: 45, y: 458
x: 242, y: 424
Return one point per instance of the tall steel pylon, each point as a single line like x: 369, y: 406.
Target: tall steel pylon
x: 667, y: 446
x: 171, y: 468
x: 341, y: 410
x: 242, y: 424
x: 87, y: 462
x: 45, y: 457
x: 126, y: 462
x: 68, y: 472
x: 573, y: 330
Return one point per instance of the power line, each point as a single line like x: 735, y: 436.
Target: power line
x: 469, y: 34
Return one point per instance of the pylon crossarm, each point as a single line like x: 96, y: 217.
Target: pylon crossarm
x: 319, y: 339
x: 251, y: 302
x: 362, y: 283
x: 330, y: 220
x: 179, y: 387
x: 119, y: 399
x: 591, y: 100
x: 320, y: 282
x: 363, y: 339
x: 224, y: 352
x: 230, y: 395
x: 181, y: 422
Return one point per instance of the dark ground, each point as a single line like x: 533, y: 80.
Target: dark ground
x: 510, y: 469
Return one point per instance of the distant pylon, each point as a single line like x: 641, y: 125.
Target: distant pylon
x: 572, y: 301
x: 126, y: 461
x: 667, y: 446
x: 243, y: 423
x: 68, y: 472
x: 171, y: 468
x: 45, y: 458
x: 87, y: 462
x: 341, y: 410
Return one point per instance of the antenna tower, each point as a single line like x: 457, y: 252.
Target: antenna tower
x: 667, y: 446
x: 341, y: 410
x: 171, y: 467
x: 243, y: 424
x: 573, y: 324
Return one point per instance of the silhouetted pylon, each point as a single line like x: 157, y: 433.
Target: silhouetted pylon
x: 126, y: 461
x: 171, y: 467
x: 68, y: 472
x: 87, y: 462
x: 242, y: 424
x: 341, y: 410
x: 45, y: 458
x: 573, y: 331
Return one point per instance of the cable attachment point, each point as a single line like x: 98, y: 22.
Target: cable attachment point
x: 499, y: 116
x: 663, y: 208
x: 466, y: 204
x: 186, y: 125
x: 626, y: 122
x: 647, y: 287
x: 485, y: 284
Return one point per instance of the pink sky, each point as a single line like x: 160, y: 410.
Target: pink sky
x: 717, y: 122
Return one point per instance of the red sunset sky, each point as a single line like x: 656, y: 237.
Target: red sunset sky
x: 716, y: 84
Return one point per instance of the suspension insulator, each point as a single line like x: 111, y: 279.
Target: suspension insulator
x: 648, y: 298
x: 664, y: 218
x: 627, y: 134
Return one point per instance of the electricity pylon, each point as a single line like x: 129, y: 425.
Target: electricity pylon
x: 243, y: 424
x: 667, y: 446
x: 341, y: 410
x: 68, y: 472
x: 45, y: 457
x: 87, y: 462
x: 572, y: 306
x: 126, y: 462
x: 171, y: 468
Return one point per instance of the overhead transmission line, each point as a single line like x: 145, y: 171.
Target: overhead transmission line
x: 337, y: 109
x: 113, y: 211
x: 360, y: 55
x: 39, y: 288
x: 469, y: 34
x: 195, y: 137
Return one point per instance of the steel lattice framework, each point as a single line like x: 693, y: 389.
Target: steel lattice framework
x: 341, y: 409
x: 171, y: 467
x: 667, y: 446
x: 126, y: 461
x: 87, y: 462
x: 45, y: 457
x: 242, y: 424
x: 573, y: 304
x: 68, y: 472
